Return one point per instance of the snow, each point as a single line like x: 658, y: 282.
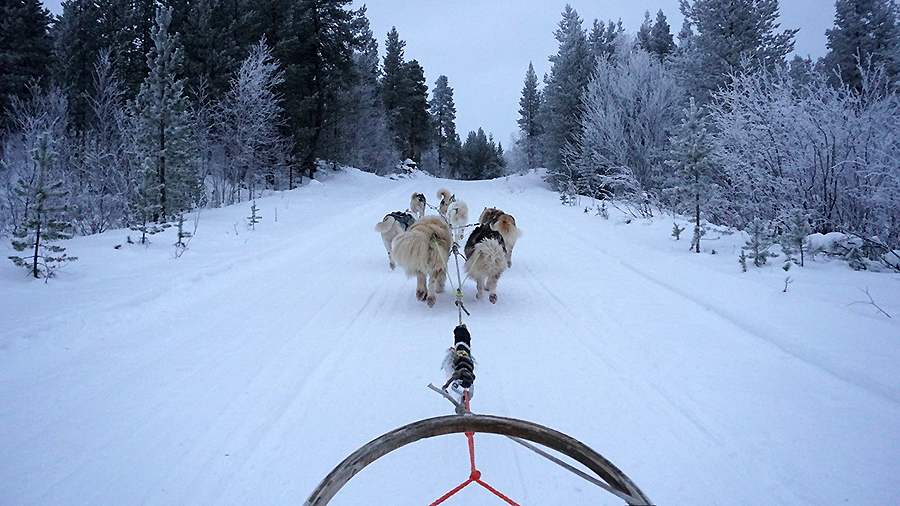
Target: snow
x: 243, y: 371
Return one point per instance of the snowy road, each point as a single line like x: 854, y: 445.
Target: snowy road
x: 242, y: 372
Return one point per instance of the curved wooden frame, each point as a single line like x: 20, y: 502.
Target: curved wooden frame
x: 619, y: 484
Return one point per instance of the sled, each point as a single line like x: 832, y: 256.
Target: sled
x: 608, y: 476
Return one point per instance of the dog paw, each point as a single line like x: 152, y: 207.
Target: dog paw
x: 420, y: 294
x: 493, y: 298
x: 509, y: 263
x: 431, y: 300
x: 393, y: 266
x: 439, y: 289
x: 478, y: 295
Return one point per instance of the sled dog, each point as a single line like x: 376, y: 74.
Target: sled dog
x: 485, y: 260
x: 417, y: 204
x: 390, y: 226
x: 446, y: 199
x: 505, y: 224
x: 423, y: 251
x: 458, y: 216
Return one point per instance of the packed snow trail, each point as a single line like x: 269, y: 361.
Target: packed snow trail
x: 243, y: 371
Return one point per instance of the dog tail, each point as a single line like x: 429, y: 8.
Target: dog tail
x: 385, y: 224
x: 444, y: 194
x: 506, y: 225
x: 487, y: 258
x: 416, y: 251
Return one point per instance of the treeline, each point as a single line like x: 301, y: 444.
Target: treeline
x: 721, y: 126
x: 131, y: 112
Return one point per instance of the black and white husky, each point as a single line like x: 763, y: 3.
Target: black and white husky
x: 390, y: 227
x: 486, y: 259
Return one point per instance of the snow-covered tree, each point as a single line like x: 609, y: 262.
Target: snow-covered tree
x: 759, y: 242
x: 100, y: 196
x: 691, y: 156
x: 795, y: 238
x: 169, y: 182
x: 729, y: 37
x: 865, y: 34
x: 250, y: 122
x: 660, y: 42
x: 628, y: 111
x: 529, y: 123
x: 561, y: 105
x: 834, y: 152
x: 43, y: 222
x: 366, y: 130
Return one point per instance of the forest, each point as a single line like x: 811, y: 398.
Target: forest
x: 132, y: 113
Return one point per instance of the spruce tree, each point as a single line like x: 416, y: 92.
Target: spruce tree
x: 44, y: 220
x: 759, y: 242
x: 315, y: 46
x: 691, y: 158
x: 660, y: 41
x: 731, y: 36
x: 365, y: 127
x: 25, y: 50
x: 169, y: 183
x: 443, y: 115
x: 529, y: 125
x: 865, y: 34
x: 569, y: 76
x: 794, y: 240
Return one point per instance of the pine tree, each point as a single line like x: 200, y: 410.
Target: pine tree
x: 43, y: 222
x: 443, y: 115
x: 405, y: 98
x: 865, y: 33
x: 365, y: 127
x: 415, y: 121
x: 569, y: 76
x: 643, y: 34
x: 794, y: 240
x: 691, y: 157
x: 660, y: 41
x: 731, y: 36
x: 481, y: 157
x: 759, y: 242
x: 254, y: 218
x: 529, y: 125
x: 25, y: 50
x: 170, y: 183
x: 315, y: 47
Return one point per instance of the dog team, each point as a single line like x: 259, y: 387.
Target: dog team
x: 422, y: 244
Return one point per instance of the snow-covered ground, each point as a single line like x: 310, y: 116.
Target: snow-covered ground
x: 241, y: 372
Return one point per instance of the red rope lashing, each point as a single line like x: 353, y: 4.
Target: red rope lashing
x: 496, y: 493
x: 450, y: 493
x: 475, y: 475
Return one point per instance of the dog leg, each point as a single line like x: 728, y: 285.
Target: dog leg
x: 491, y: 287
x: 439, y: 280
x: 479, y: 287
x: 391, y: 260
x: 421, y: 290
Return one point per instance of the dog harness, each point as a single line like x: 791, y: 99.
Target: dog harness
x: 481, y: 234
x: 404, y: 219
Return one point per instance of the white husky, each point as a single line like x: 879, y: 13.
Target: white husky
x: 423, y: 251
x: 458, y: 216
x: 485, y: 260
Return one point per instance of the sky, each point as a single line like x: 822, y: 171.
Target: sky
x: 484, y: 46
